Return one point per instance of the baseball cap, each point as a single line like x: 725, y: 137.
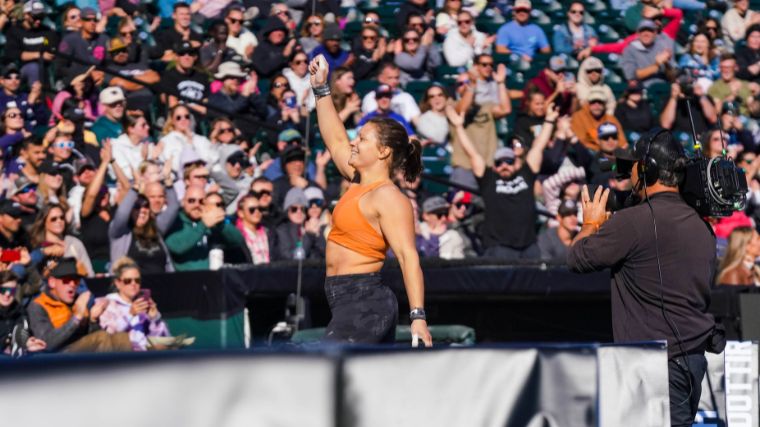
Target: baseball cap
x: 568, y: 207
x: 49, y: 167
x: 89, y: 12
x: 332, y: 32
x: 111, y: 95
x: 557, y: 63
x: 607, y: 129
x: 23, y: 183
x: 238, y: 157
x: 523, y: 4
x: 10, y: 208
x: 289, y: 135
x: 189, y: 156
x: 646, y: 24
x: 383, y: 90
x: 34, y: 7
x: 314, y: 193
x: 82, y: 163
x: 116, y: 44
x: 434, y: 204
x: 66, y: 267
x: 504, y: 153
x: 9, y: 69
x: 597, y: 94
x: 184, y: 47
x: 76, y: 115
x: 292, y: 153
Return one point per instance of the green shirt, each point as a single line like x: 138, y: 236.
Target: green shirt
x: 720, y: 90
x: 106, y: 128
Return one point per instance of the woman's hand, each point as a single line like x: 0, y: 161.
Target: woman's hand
x: 34, y: 344
x: 420, y: 328
x: 354, y: 103
x: 153, y: 313
x: 319, y: 69
x: 139, y: 306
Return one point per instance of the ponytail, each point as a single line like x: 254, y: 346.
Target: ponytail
x: 411, y: 164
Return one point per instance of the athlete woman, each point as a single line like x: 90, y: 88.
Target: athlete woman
x: 370, y: 217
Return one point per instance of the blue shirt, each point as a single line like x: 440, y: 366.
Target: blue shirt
x: 521, y: 39
x: 333, y: 61
x: 391, y: 115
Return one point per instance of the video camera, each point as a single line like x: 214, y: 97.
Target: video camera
x: 714, y: 187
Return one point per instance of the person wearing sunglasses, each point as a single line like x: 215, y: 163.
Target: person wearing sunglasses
x: 185, y: 81
x: 461, y: 45
x: 240, y: 39
x: 555, y: 241
x: 25, y: 41
x: 15, y: 336
x: 238, y: 96
x: 575, y: 37
x: 434, y: 239
x: 297, y: 74
x: 370, y: 50
x: 274, y: 48
x: 124, y: 58
x: 130, y: 309
x: 419, y: 8
x: 179, y: 136
x: 520, y: 36
x: 415, y: 56
x: 30, y: 104
x: 24, y: 195
x: 258, y: 238
x: 199, y: 227
x: 311, y: 33
x: 296, y: 229
x: 317, y: 215
x: 586, y: 121
x: 446, y: 19
x: 507, y: 189
x: 462, y: 219
x: 50, y: 229
x: 87, y: 44
x: 590, y: 75
x: 12, y: 130
x: 134, y: 232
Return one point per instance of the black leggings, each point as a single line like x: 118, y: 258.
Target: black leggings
x: 364, y: 310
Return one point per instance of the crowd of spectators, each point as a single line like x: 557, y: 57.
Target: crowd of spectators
x: 138, y: 136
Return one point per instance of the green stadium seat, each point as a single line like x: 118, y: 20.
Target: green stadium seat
x: 364, y: 87
x: 417, y: 89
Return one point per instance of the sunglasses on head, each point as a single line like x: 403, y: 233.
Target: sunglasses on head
x: 7, y: 290
x: 296, y: 209
x: 131, y: 280
x: 508, y: 161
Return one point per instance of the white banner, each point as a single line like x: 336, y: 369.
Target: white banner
x: 741, y: 384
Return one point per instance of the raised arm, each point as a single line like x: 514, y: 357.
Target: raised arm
x: 536, y: 153
x: 330, y: 125
x: 476, y: 160
x: 91, y: 194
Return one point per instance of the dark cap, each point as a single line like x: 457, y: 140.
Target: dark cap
x: 293, y: 152
x: 89, y: 12
x: 10, y: 208
x: 383, y: 90
x: 567, y: 207
x: 646, y: 24
x: 75, y: 114
x: 332, y: 32
x: 49, y: 167
x: 184, y: 47
x: 66, y: 267
x: 239, y: 157
x: 82, y: 163
x: 607, y: 129
x: 434, y: 204
x: 10, y: 69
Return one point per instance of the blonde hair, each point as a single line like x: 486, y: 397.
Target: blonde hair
x: 736, y: 251
x: 122, y: 264
x: 169, y: 125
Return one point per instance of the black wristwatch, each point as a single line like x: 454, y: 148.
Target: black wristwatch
x: 417, y: 313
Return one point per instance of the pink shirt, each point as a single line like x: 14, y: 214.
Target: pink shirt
x: 117, y: 318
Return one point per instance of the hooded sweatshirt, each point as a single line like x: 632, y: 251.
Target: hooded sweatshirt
x: 268, y: 58
x: 584, y: 83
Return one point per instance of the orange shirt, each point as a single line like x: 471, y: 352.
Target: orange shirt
x: 351, y: 229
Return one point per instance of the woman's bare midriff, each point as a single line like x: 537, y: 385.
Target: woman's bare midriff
x: 341, y: 260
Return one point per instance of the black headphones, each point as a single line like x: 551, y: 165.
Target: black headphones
x: 648, y: 167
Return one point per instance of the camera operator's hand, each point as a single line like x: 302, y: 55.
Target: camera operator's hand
x: 595, y: 210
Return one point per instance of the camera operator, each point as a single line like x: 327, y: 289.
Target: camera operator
x: 662, y: 256
x: 675, y: 114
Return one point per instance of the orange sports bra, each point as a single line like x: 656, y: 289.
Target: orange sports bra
x: 351, y: 229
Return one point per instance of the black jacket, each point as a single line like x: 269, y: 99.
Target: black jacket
x: 287, y: 236
x: 268, y: 58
